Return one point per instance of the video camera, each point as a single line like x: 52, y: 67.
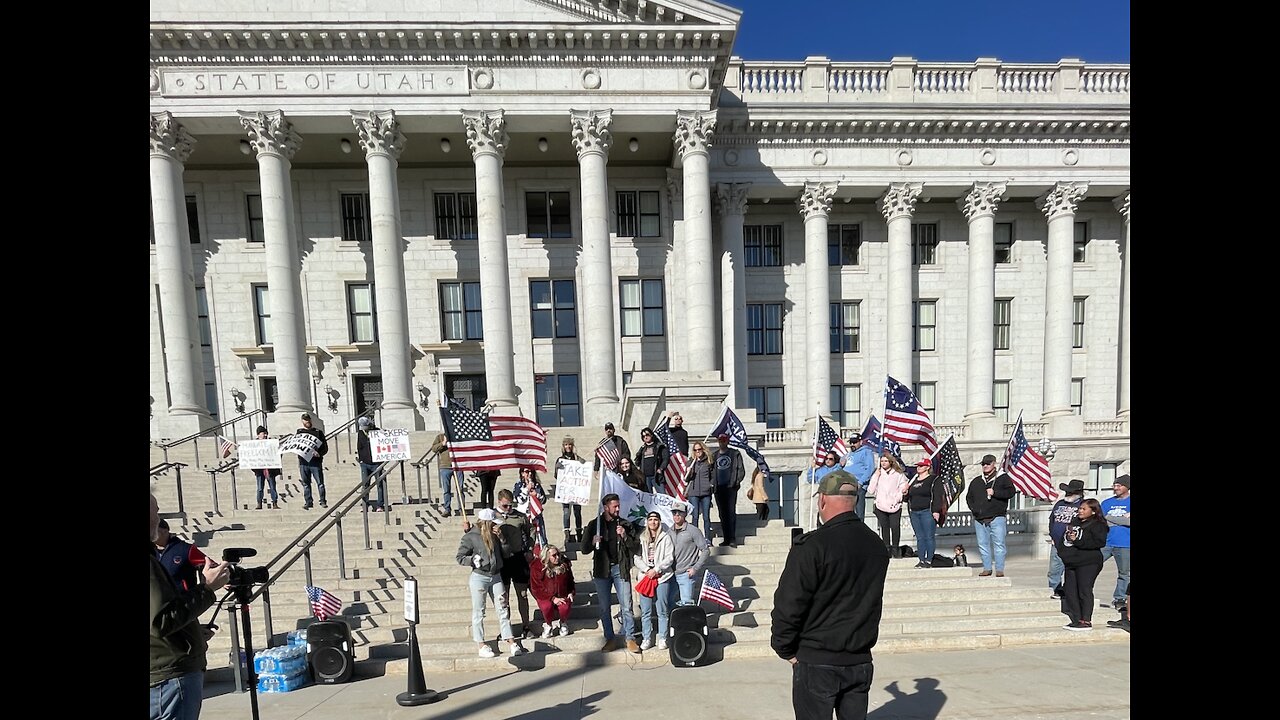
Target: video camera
x: 242, y: 576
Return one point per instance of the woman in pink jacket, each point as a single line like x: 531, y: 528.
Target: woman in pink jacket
x: 888, y: 485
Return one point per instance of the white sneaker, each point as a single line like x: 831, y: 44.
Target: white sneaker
x: 517, y: 650
x: 564, y: 630
x: 548, y: 631
x: 648, y: 643
x: 486, y: 651
x: 662, y: 644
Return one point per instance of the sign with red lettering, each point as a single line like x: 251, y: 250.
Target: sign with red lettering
x: 389, y: 445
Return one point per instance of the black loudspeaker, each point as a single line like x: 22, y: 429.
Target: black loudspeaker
x: 688, y: 645
x: 330, y: 651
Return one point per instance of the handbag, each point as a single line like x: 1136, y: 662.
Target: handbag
x: 751, y: 493
x: 647, y: 586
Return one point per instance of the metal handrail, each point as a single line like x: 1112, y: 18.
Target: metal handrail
x: 202, y: 433
x: 165, y: 467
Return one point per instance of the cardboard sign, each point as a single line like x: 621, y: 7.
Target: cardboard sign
x: 573, y: 482
x: 260, y: 454
x: 389, y: 445
x: 303, y: 445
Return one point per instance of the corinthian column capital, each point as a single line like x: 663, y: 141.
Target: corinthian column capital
x: 379, y: 132
x: 731, y: 198
x: 815, y: 200
x: 1063, y: 199
x: 1122, y: 205
x: 694, y: 129
x: 590, y: 131
x: 169, y: 138
x: 486, y: 132
x: 982, y: 200
x: 271, y: 133
x: 900, y: 200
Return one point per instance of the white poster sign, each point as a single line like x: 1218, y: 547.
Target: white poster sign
x: 389, y: 445
x: 304, y: 445
x: 573, y: 483
x: 260, y: 454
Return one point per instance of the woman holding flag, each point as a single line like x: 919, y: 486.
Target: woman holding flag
x: 925, y: 503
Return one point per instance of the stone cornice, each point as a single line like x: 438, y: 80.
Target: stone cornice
x: 982, y: 200
x: 379, y: 132
x: 1063, y: 199
x: 589, y: 131
x: 815, y: 200
x: 731, y: 198
x: 486, y: 132
x: 169, y: 138
x: 1048, y: 126
x: 271, y: 133
x: 900, y: 200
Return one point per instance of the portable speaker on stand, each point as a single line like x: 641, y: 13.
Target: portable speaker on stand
x: 688, y: 644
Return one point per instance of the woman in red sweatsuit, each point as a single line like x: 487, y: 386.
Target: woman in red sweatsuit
x: 551, y: 582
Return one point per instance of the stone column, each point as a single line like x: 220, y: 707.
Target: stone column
x: 592, y: 139
x: 1059, y: 206
x: 979, y: 208
x: 897, y: 205
x: 732, y: 201
x: 487, y: 138
x: 815, y: 206
x: 171, y: 145
x: 1122, y: 204
x: 692, y: 139
x: 275, y: 141
x: 380, y: 136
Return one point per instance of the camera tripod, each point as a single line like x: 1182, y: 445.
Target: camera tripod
x: 243, y: 594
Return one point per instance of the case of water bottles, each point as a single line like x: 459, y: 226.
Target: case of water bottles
x: 282, y: 669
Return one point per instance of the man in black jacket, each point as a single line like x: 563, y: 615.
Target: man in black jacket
x: 614, y: 542
x: 313, y: 468
x: 988, y: 499
x: 826, y: 611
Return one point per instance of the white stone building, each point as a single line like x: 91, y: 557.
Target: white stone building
x: 591, y: 210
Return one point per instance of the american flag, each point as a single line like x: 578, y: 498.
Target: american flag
x: 225, y: 447
x: 677, y: 464
x: 493, y: 442
x: 949, y: 469
x: 904, y: 419
x: 871, y: 434
x: 826, y: 441
x: 715, y: 591
x: 538, y: 521
x: 730, y: 425
x: 1027, y: 468
x: 324, y: 604
x: 608, y: 453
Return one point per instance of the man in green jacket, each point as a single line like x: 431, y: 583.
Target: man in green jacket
x: 177, y: 641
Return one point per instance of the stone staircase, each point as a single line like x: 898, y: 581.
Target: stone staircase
x: 934, y: 609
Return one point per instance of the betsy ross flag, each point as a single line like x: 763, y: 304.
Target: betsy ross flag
x: 324, y: 604
x: 904, y: 419
x: 225, y: 447
x: 715, y: 591
x: 1027, y: 468
x: 608, y: 453
x: 826, y: 441
x: 677, y: 464
x: 493, y: 442
x: 949, y: 469
x: 730, y: 425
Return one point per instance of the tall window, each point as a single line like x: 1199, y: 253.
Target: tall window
x: 1004, y: 243
x: 1077, y: 323
x: 211, y: 398
x: 843, y: 244
x: 357, y: 225
x: 641, y: 307
x: 764, y: 329
x: 1081, y: 243
x: 1102, y: 475
x: 552, y: 305
x: 768, y: 402
x: 762, y: 245
x: 558, y: 400
x: 926, y: 324
x: 262, y: 313
x: 269, y: 394
x: 638, y: 214
x: 460, y: 313
x: 253, y: 209
x: 846, y: 405
x: 1000, y: 399
x: 362, y: 321
x: 1003, y: 318
x: 193, y: 220
x: 202, y: 318
x: 844, y: 327
x: 927, y: 394
x: 924, y: 243
x: 1077, y: 396
x: 456, y: 216
x: 547, y: 215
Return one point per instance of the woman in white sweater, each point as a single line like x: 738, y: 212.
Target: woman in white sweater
x: 655, y: 559
x: 888, y: 485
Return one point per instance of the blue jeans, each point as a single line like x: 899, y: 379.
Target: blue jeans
x: 1121, y: 554
x: 446, y: 489
x: 306, y: 473
x: 622, y: 587
x: 701, y: 509
x: 925, y: 528
x: 662, y: 599
x: 366, y: 470
x: 653, y: 482
x: 483, y: 586
x: 178, y: 698
x: 993, y: 535
x: 684, y: 586
x: 1056, y: 568
x: 266, y: 478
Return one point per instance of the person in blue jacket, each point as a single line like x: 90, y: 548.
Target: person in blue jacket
x: 861, y: 464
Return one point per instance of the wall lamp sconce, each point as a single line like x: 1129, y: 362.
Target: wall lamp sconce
x: 542, y: 144
x: 634, y: 144
x: 1048, y: 448
x: 245, y: 148
x: 445, y: 145
x: 345, y: 146
x: 238, y: 398
x: 333, y: 398
x: 423, y: 392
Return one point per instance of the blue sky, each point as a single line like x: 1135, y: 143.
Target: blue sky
x: 875, y: 30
